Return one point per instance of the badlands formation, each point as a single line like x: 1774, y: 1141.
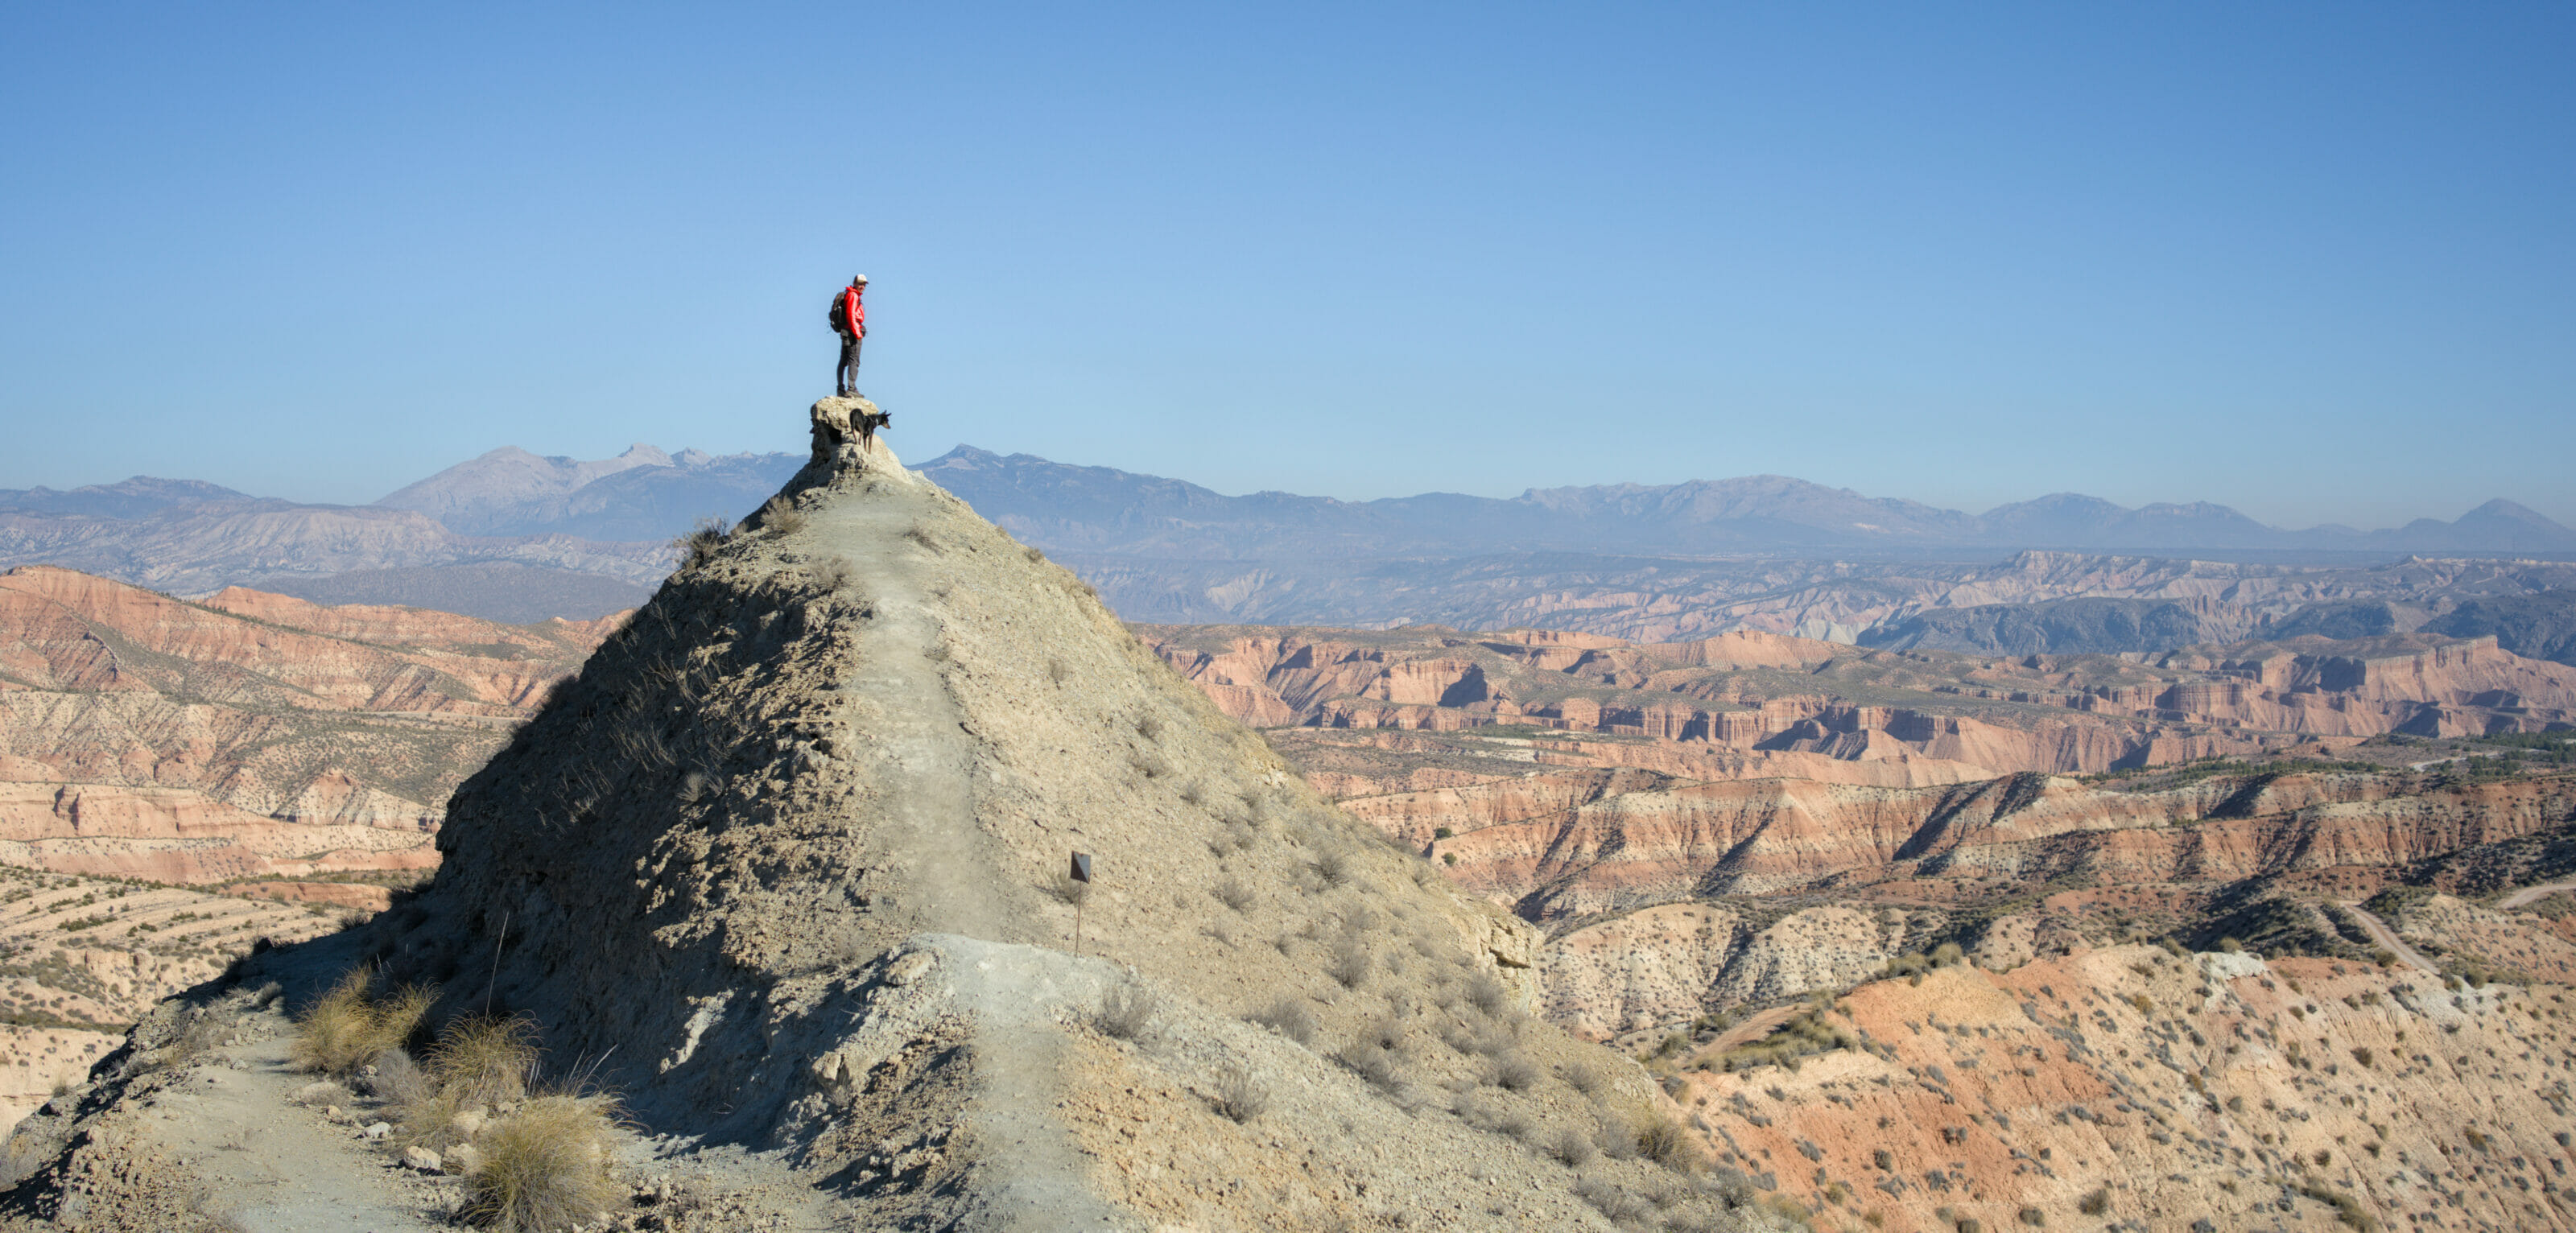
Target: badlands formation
x: 785, y: 869
x: 1736, y: 932
x: 247, y: 736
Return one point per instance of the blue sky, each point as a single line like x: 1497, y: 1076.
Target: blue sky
x: 2318, y: 262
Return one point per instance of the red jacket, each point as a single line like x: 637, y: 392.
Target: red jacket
x: 849, y: 316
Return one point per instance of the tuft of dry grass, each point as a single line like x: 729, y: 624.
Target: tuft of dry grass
x: 699, y: 546
x: 345, y: 1029
x: 1349, y: 964
x: 780, y: 518
x: 1664, y: 1141
x: 1239, y: 1097
x: 1290, y: 1018
x: 1570, y: 1148
x: 1127, y: 1012
x: 484, y: 1060
x: 830, y: 574
x: 1234, y: 894
x: 545, y: 1167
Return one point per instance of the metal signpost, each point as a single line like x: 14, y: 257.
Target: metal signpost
x: 1082, y: 874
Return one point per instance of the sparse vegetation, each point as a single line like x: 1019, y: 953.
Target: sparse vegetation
x: 2095, y: 1203
x: 830, y: 574
x: 1667, y: 1143
x: 1233, y: 894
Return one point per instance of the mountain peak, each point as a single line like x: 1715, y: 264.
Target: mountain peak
x: 806, y: 817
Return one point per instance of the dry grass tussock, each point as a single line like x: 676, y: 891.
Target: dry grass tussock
x: 346, y: 1029
x: 699, y: 546
x: 545, y: 1167
x: 1127, y: 1012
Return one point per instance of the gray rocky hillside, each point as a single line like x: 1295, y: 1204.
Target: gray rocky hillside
x: 783, y: 869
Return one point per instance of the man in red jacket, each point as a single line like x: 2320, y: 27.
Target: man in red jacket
x: 850, y: 321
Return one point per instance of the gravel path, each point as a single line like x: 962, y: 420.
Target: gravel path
x: 272, y: 1166
x: 1035, y: 1175
x: 2529, y: 893
x: 2387, y: 937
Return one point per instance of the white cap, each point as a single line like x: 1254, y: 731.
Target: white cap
x: 859, y: 278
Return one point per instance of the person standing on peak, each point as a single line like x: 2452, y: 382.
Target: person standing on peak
x: 850, y: 321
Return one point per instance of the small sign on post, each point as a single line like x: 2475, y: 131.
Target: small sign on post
x: 1081, y: 874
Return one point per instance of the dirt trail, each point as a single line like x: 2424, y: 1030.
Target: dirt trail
x: 2530, y: 893
x: 917, y: 730
x: 930, y: 831
x: 2385, y: 936
x: 272, y: 1166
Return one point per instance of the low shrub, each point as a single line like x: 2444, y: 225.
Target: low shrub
x: 2096, y: 1203
x: 1373, y: 1064
x: 830, y: 574
x: 778, y: 517
x: 1233, y: 894
x: 1584, y: 1079
x: 1514, y: 1072
x: 701, y: 543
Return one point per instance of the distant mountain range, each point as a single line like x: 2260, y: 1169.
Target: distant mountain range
x: 514, y: 536
x: 1098, y: 509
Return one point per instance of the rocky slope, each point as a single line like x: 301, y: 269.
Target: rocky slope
x: 783, y: 868
x: 2133, y: 1088
x: 249, y: 735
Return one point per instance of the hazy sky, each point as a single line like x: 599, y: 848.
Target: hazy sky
x: 2315, y: 261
